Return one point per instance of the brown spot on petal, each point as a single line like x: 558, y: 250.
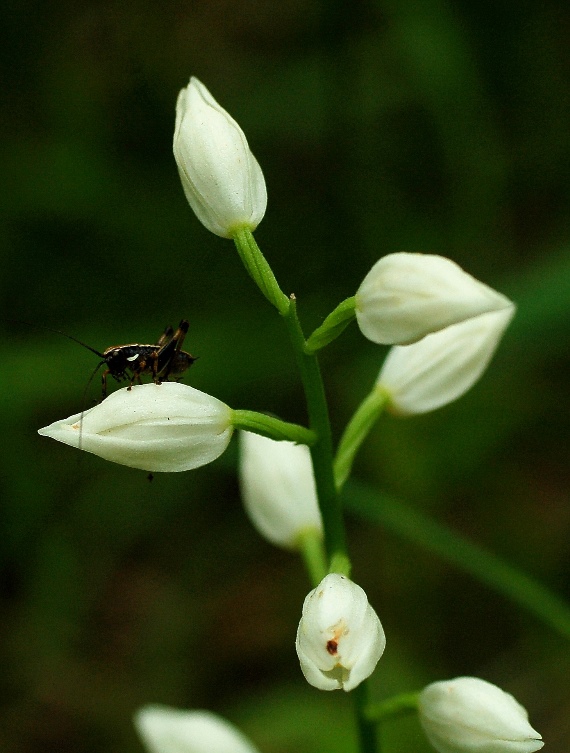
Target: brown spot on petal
x: 332, y: 647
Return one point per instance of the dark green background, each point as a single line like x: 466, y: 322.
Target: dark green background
x: 380, y: 126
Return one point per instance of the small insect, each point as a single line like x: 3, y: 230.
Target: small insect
x: 164, y: 360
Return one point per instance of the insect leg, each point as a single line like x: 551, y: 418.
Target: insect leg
x: 104, y: 382
x: 136, y: 372
x: 154, y: 357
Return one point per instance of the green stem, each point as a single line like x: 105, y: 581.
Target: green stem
x: 415, y: 526
x: 271, y: 427
x: 333, y: 325
x: 356, y: 432
x: 310, y: 545
x: 322, y: 449
x: 398, y: 705
x: 258, y: 268
x: 367, y: 730
x: 321, y: 440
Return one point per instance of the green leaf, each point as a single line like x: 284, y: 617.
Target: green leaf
x: 417, y: 527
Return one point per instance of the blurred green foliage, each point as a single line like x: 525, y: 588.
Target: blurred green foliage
x: 380, y: 126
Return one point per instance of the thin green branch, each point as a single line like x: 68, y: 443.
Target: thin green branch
x: 356, y: 432
x: 335, y: 323
x: 259, y: 270
x: 274, y: 428
x: 310, y: 545
x: 399, y: 705
x: 322, y: 449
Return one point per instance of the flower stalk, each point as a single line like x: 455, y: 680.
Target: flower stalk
x: 259, y: 270
x: 322, y: 449
x: 367, y: 729
x: 310, y: 545
x: 320, y: 441
x: 398, y: 705
x: 274, y: 428
x: 356, y: 432
x: 335, y: 323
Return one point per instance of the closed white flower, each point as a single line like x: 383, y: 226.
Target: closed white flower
x: 469, y: 715
x: 155, y: 427
x: 220, y: 176
x: 278, y: 488
x: 407, y: 296
x: 167, y: 730
x: 440, y: 368
x: 340, y: 638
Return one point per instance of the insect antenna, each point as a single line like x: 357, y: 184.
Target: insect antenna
x: 79, y: 342
x: 84, y: 401
x: 58, y: 332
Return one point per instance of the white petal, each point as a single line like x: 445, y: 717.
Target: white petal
x: 407, y: 296
x: 340, y: 638
x: 155, y: 427
x: 167, y: 730
x: 278, y: 488
x: 222, y: 180
x: 470, y: 715
x: 315, y: 676
x: 367, y: 655
x: 443, y: 366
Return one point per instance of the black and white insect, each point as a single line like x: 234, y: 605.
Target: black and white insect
x: 163, y: 361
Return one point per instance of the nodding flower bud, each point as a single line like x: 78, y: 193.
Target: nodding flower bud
x: 278, y: 488
x: 167, y: 730
x: 441, y: 368
x: 469, y: 715
x: 220, y: 176
x: 340, y: 638
x: 154, y: 427
x: 407, y: 296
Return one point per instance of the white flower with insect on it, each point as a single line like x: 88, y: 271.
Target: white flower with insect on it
x: 220, y: 176
x: 407, y: 296
x: 440, y: 368
x: 470, y: 715
x: 340, y: 638
x: 278, y: 488
x: 167, y: 730
x: 154, y: 427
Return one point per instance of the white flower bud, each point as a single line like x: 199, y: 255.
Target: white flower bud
x: 278, y: 488
x: 155, y: 427
x: 469, y: 715
x: 340, y: 638
x: 406, y: 296
x: 167, y: 730
x: 443, y: 366
x: 220, y: 176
